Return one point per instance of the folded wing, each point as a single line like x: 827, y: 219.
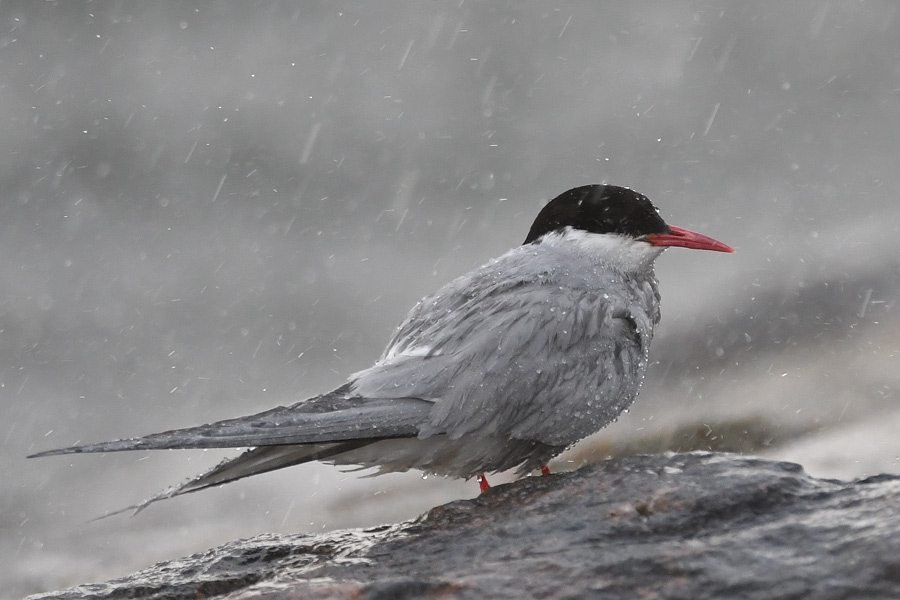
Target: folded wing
x: 330, y: 418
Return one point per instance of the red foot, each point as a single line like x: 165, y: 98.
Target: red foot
x: 545, y: 470
x: 483, y: 482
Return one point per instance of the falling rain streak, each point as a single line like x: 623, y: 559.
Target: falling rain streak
x: 310, y: 143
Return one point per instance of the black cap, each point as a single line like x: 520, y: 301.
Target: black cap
x: 599, y: 209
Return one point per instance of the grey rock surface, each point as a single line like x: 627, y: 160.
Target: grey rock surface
x: 698, y: 525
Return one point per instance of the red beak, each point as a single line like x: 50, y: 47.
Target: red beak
x: 683, y: 238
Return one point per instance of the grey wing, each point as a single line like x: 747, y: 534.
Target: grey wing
x: 528, y: 359
x: 334, y: 417
x: 320, y: 428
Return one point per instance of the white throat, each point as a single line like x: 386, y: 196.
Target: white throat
x: 619, y: 251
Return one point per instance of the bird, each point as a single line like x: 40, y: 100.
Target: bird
x: 504, y: 367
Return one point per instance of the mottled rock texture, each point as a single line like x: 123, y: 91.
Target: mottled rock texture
x: 689, y: 526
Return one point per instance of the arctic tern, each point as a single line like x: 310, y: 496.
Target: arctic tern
x: 504, y: 367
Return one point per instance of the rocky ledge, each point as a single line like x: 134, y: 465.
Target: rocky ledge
x: 694, y: 526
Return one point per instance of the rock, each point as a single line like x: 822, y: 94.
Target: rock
x: 698, y: 525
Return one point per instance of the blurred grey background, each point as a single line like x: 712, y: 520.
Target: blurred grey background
x: 209, y: 209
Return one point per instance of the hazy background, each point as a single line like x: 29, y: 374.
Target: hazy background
x: 208, y: 209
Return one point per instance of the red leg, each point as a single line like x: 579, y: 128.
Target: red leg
x: 483, y: 482
x: 545, y: 470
